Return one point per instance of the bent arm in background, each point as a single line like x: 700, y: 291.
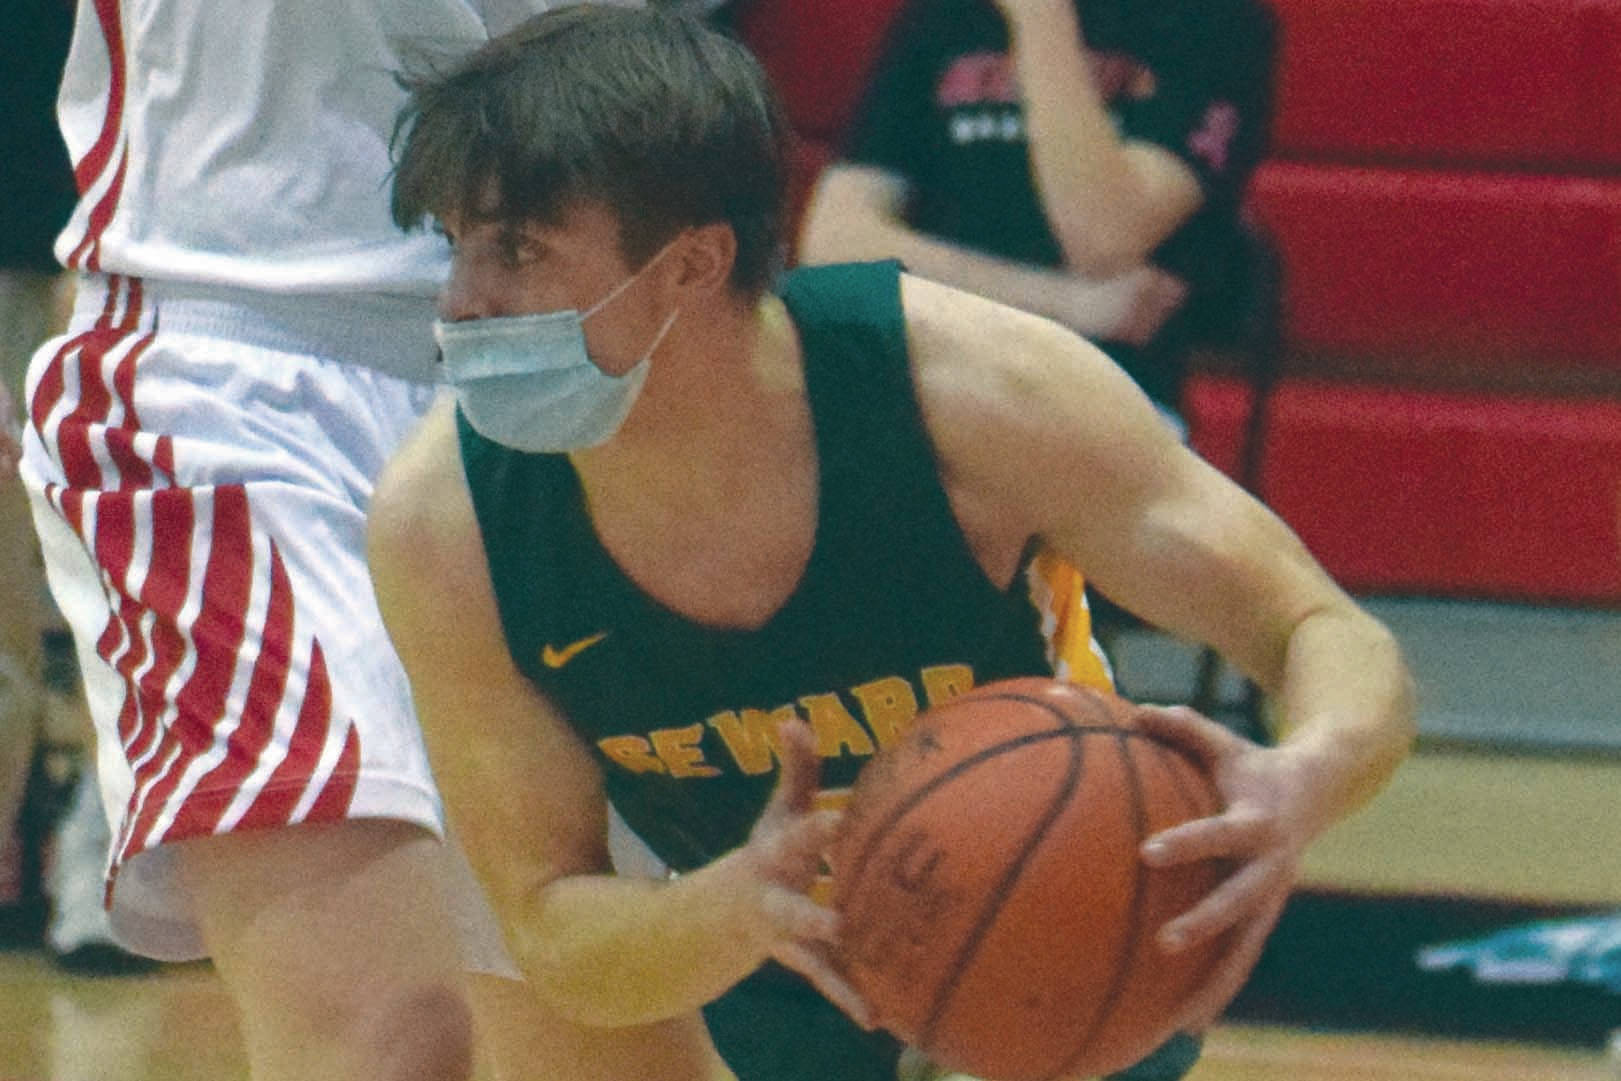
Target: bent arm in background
x: 1110, y: 201
x: 857, y: 212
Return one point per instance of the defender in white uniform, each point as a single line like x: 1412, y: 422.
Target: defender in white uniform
x: 250, y: 342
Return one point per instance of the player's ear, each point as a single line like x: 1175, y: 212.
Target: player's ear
x: 704, y: 258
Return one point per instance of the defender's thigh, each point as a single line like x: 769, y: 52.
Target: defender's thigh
x: 337, y: 944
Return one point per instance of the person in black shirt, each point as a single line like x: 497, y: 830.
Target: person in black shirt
x: 1085, y: 161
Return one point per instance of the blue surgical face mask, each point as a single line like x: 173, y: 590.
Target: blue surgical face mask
x: 527, y: 382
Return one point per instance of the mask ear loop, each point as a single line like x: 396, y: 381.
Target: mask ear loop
x: 659, y: 337
x: 628, y: 282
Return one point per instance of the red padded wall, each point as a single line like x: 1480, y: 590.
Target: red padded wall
x: 1500, y: 83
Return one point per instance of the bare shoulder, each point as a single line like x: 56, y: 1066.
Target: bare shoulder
x: 1001, y: 388
x: 962, y: 342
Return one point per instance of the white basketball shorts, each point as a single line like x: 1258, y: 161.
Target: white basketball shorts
x: 201, y: 503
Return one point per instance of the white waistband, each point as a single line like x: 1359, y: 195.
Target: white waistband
x: 387, y: 333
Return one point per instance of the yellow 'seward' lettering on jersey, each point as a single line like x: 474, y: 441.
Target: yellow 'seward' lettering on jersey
x: 633, y: 753
x: 943, y: 682
x: 887, y: 707
x: 837, y: 732
x: 750, y: 736
x: 679, y: 750
x: 890, y: 705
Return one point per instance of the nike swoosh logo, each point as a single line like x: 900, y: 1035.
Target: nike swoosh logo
x: 557, y: 658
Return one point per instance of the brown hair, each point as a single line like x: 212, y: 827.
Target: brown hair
x: 650, y: 113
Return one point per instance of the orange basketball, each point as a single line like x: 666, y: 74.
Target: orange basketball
x: 996, y: 913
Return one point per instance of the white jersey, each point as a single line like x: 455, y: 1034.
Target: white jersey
x: 222, y: 147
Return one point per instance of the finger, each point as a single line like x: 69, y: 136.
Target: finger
x: 1188, y: 730
x: 815, y: 967
x: 801, y: 769
x: 794, y: 917
x: 1238, y: 831
x: 795, y: 853
x: 1207, y: 1004
x: 792, y: 853
x: 1227, y: 906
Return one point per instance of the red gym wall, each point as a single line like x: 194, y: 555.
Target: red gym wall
x: 1445, y: 192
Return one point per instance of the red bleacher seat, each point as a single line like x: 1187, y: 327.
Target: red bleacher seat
x: 1410, y: 491
x: 819, y: 57
x: 1501, y: 268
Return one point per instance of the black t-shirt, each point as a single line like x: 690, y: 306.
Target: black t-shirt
x: 944, y: 112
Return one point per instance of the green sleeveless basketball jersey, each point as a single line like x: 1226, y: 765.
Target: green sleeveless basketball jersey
x: 893, y: 614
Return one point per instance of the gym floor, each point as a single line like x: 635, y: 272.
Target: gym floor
x: 177, y: 1025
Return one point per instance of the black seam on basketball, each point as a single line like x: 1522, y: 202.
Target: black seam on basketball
x: 1168, y: 761
x: 876, y: 835
x: 1196, y: 768
x: 998, y: 896
x: 1134, y: 919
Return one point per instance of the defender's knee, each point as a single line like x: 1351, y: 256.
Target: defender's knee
x: 423, y: 1034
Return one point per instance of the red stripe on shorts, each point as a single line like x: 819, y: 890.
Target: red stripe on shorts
x: 119, y: 643
x: 118, y: 634
x: 102, y: 383
x: 134, y: 471
x: 333, y: 802
x: 212, y: 643
x: 161, y: 597
x: 53, y: 382
x: 287, y: 785
x: 73, y: 431
x: 201, y: 811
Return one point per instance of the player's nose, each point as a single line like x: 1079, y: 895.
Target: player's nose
x: 461, y: 297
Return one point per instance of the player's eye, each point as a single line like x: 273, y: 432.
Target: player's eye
x: 518, y: 249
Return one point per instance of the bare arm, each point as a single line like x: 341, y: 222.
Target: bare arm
x: 1033, y: 424
x: 1074, y: 454
x: 527, y: 799
x: 857, y: 213
x: 1110, y: 202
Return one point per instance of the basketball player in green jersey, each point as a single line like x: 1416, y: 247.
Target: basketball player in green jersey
x: 693, y: 542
